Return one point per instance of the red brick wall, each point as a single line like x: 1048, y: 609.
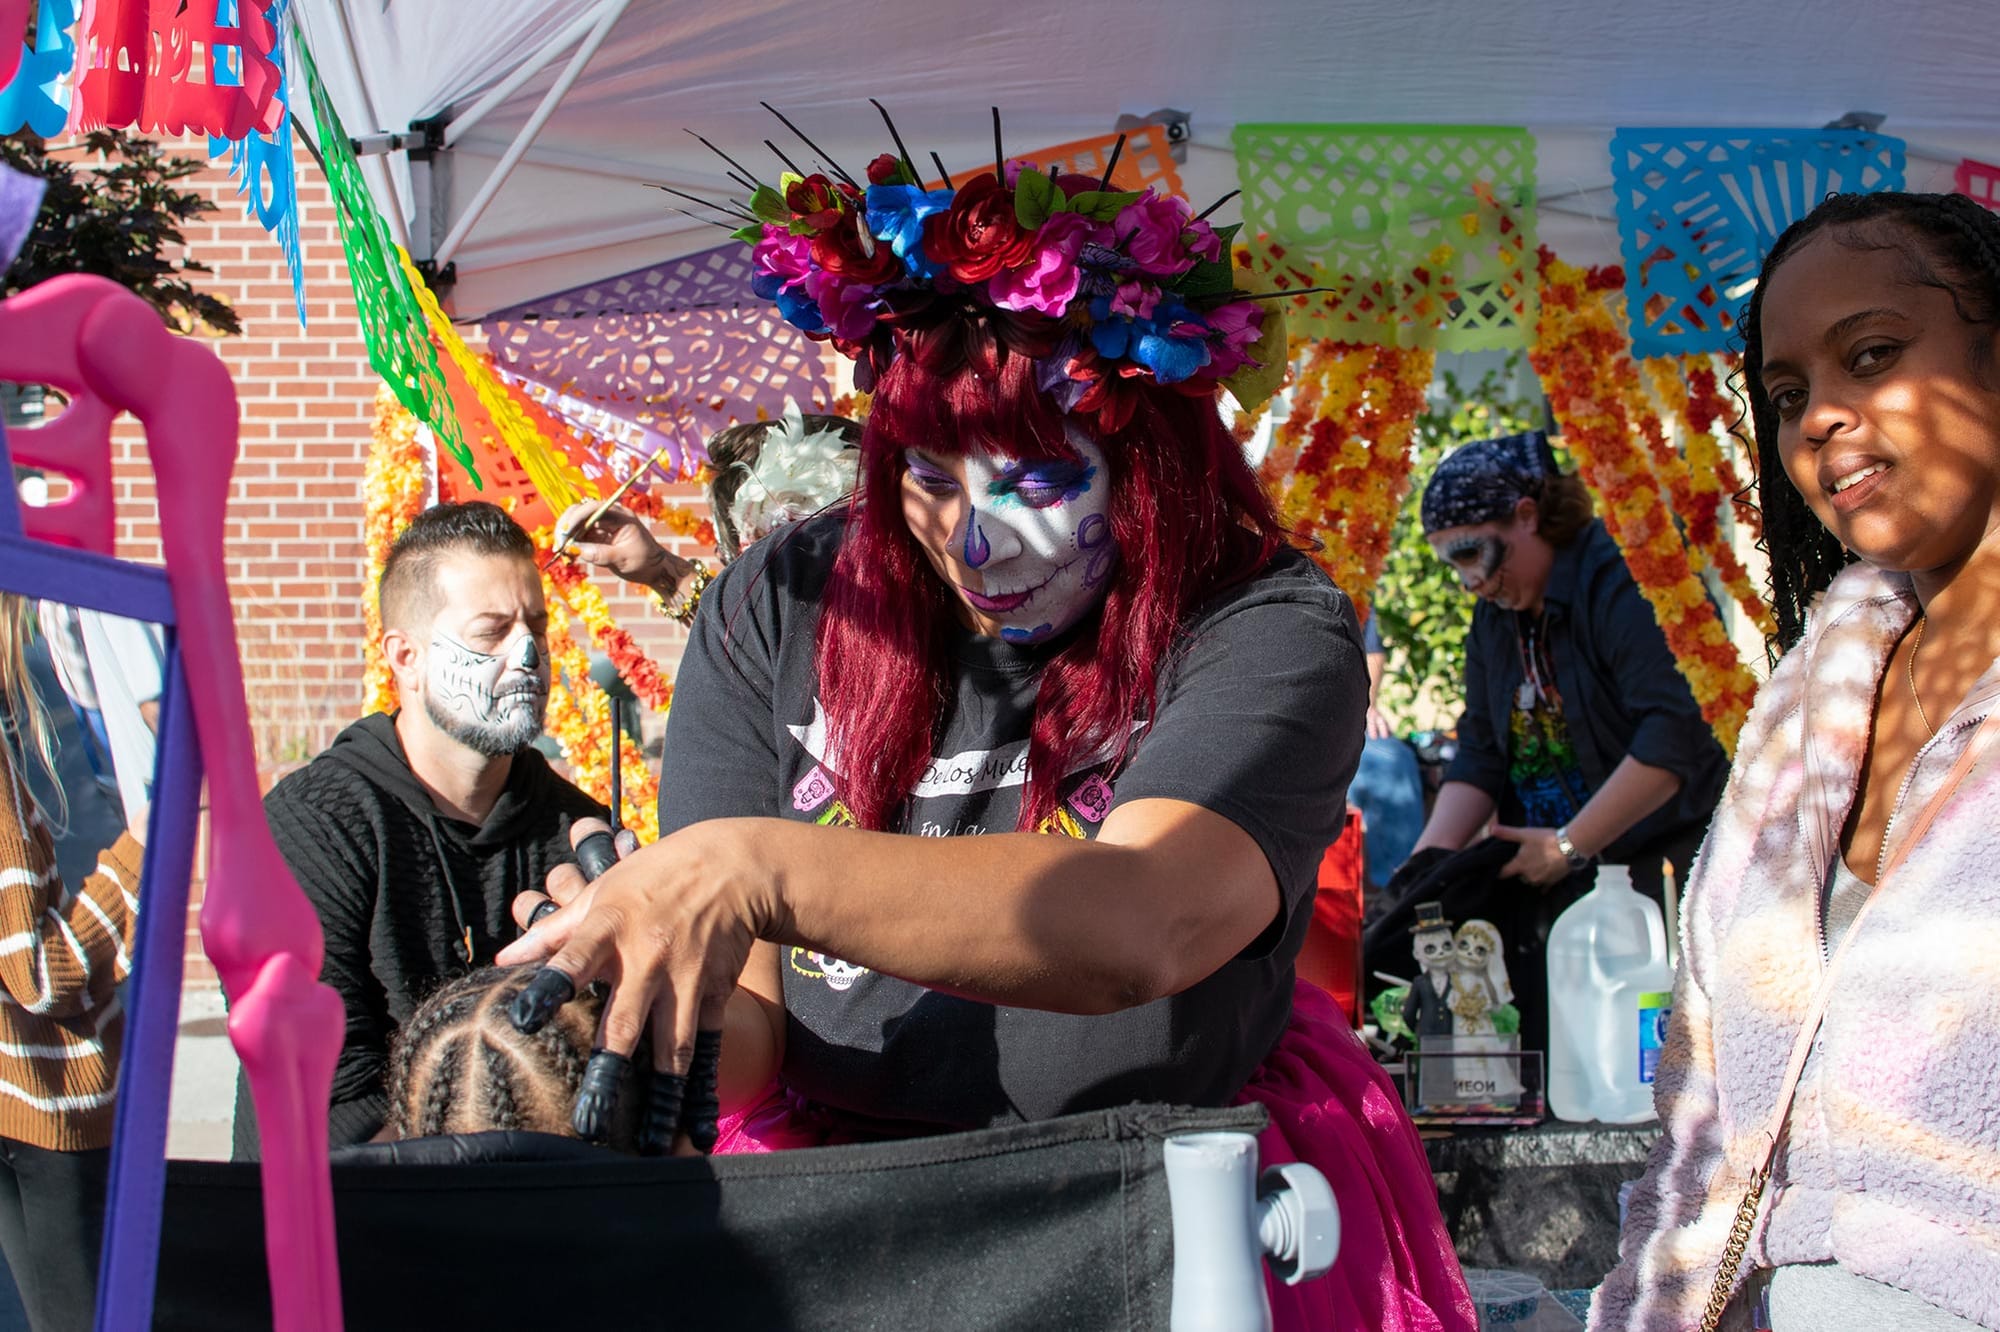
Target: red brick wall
x: 294, y: 541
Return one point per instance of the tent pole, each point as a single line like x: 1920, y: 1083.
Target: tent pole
x: 461, y: 124
x: 607, y: 16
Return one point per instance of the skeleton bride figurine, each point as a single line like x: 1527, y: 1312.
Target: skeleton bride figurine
x: 1483, y: 1017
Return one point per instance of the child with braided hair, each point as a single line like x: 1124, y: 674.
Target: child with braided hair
x: 460, y: 1066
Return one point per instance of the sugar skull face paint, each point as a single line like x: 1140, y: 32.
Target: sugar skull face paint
x: 492, y: 703
x: 1474, y: 558
x: 1025, y: 544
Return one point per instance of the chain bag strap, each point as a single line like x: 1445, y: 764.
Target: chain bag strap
x: 1745, y: 1224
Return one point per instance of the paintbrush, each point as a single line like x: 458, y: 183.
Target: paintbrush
x: 605, y: 507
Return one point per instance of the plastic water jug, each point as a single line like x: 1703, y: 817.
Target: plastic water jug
x: 1609, y: 984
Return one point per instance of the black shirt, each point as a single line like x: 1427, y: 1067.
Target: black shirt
x: 1620, y: 694
x: 398, y: 886
x: 1259, y: 719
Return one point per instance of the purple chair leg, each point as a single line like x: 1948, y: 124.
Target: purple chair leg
x: 152, y: 1020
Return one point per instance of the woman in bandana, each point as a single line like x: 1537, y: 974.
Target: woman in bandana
x: 1579, y: 734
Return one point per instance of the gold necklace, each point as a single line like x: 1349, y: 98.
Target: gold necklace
x: 1916, y: 644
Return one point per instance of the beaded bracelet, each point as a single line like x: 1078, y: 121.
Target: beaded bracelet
x: 683, y: 608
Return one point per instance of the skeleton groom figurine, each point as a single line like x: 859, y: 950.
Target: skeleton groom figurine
x: 1427, y: 1008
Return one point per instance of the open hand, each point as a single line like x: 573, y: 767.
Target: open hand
x: 669, y: 929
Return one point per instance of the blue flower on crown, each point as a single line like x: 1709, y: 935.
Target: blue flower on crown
x: 896, y: 214
x: 794, y: 306
x: 1172, y: 342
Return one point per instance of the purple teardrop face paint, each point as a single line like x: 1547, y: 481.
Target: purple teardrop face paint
x: 1033, y: 539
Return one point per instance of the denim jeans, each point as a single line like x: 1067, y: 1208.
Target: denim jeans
x: 1389, y: 792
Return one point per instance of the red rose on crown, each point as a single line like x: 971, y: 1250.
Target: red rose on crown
x: 978, y: 235
x: 845, y: 252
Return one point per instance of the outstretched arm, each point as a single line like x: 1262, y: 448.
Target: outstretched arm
x: 1167, y: 894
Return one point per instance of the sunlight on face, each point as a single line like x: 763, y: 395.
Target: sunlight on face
x: 1888, y: 423
x: 1024, y: 544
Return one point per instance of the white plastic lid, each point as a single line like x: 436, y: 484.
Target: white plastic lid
x: 1614, y: 876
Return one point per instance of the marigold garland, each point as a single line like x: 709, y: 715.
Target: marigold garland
x: 394, y: 487
x: 579, y: 720
x: 1582, y: 354
x: 566, y: 582
x: 1696, y: 482
x: 1340, y: 465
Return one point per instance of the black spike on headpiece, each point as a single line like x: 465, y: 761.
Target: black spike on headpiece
x: 908, y: 165
x: 810, y: 144
x: 727, y: 158
x: 1112, y: 165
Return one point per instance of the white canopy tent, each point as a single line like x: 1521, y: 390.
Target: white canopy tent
x: 552, y: 115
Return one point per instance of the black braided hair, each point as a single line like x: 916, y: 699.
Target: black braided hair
x: 461, y: 1061
x: 441, y: 1095
x: 1950, y: 243
x: 413, y: 1060
x: 503, y: 1110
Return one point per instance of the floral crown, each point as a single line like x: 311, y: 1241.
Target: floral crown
x: 1110, y: 286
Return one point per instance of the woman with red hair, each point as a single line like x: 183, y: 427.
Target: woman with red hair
x: 999, y: 793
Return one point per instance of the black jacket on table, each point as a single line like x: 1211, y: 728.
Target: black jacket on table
x: 1622, y: 694
x: 398, y: 887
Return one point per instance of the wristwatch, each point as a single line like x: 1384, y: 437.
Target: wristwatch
x: 1577, y: 860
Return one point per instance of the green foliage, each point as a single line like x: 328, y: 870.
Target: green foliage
x: 120, y: 220
x: 1421, y: 611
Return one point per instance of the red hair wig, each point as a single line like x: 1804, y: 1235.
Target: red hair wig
x: 1185, y: 509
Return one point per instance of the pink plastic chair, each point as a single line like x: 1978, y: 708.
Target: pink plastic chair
x: 108, y: 352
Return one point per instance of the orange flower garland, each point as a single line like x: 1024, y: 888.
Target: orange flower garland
x: 1696, y: 484
x: 579, y: 719
x: 567, y: 583
x: 1340, y: 466
x: 1582, y: 355
x: 394, y: 488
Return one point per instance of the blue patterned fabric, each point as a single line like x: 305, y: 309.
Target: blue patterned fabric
x: 1484, y: 481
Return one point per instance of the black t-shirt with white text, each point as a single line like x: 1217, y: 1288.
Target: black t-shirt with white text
x: 1259, y: 719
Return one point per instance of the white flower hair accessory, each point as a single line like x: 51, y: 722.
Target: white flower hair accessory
x: 797, y: 473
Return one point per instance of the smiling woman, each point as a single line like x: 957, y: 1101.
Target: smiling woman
x: 1856, y: 847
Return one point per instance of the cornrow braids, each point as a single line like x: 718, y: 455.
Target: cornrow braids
x: 460, y: 1062
x: 503, y: 1110
x: 412, y: 1063
x: 1950, y: 243
x: 442, y: 1093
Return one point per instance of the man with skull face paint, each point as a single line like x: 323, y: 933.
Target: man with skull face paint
x: 415, y: 830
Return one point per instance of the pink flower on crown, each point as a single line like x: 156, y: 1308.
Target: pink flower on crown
x: 1047, y: 282
x: 1235, y: 328
x: 783, y: 255
x: 1202, y: 242
x: 1149, y: 231
x: 849, y: 308
x: 1135, y: 300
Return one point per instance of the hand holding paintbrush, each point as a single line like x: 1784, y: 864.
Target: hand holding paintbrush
x: 609, y: 536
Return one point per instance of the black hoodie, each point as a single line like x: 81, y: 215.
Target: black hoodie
x: 400, y: 888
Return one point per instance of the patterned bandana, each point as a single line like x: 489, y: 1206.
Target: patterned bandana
x: 1483, y: 482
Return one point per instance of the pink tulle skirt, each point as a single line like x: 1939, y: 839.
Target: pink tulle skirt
x: 1330, y: 1107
